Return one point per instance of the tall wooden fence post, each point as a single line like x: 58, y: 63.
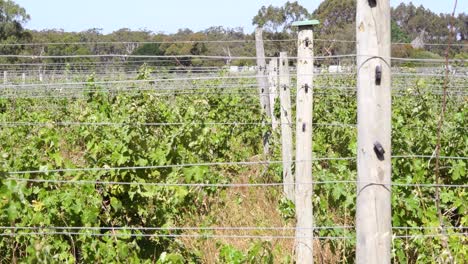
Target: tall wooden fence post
x: 273, y: 90
x: 304, y: 187
x: 373, y: 215
x: 262, y: 81
x: 286, y: 126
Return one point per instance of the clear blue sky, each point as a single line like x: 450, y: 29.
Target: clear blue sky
x: 167, y: 15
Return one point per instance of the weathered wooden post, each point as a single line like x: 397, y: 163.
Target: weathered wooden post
x: 304, y: 187
x: 5, y: 77
x: 262, y: 81
x: 261, y: 72
x: 286, y: 126
x: 373, y: 215
x: 273, y: 90
x: 23, y: 78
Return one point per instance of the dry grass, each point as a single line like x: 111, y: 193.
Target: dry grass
x: 249, y: 207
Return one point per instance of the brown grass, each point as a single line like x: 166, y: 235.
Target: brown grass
x: 248, y: 207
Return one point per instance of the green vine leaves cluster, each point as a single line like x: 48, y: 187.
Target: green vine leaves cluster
x: 201, y: 127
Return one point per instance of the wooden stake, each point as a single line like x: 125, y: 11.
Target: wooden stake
x: 5, y: 77
x: 304, y: 188
x: 273, y: 90
x: 286, y: 126
x: 261, y: 73
x: 373, y: 215
x: 263, y: 85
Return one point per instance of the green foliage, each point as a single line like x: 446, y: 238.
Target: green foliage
x: 260, y: 252
x: 144, y: 72
x: 131, y: 145
x: 44, y: 148
x: 398, y: 36
x: 287, y: 209
x: 420, y: 54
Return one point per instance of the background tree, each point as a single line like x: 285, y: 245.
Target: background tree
x: 276, y: 22
x: 279, y: 19
x: 462, y: 26
x: 337, y: 21
x: 12, y: 19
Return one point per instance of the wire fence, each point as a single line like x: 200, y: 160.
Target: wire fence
x: 235, y: 84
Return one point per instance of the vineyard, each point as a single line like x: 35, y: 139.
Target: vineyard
x: 221, y: 146
x: 169, y: 168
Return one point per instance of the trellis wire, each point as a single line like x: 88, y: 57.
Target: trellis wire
x: 199, y: 41
x: 231, y: 185
x: 214, y: 228
x: 206, y: 236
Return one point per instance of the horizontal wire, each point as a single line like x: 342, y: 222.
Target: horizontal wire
x: 217, y: 57
x: 90, y: 56
x: 202, y: 236
x: 171, y: 94
x: 78, y: 96
x: 206, y: 91
x: 80, y: 107
x: 133, y: 124
x: 427, y: 227
x: 206, y: 236
x: 201, y: 41
x: 398, y: 93
x: 146, y: 88
x: 210, y: 88
x: 203, y: 78
x: 428, y: 157
x: 52, y: 123
x: 242, y: 163
x: 194, y: 75
x: 145, y: 42
x: 191, y: 78
x: 233, y: 185
x: 247, y: 163
x: 431, y: 236
x: 214, y: 228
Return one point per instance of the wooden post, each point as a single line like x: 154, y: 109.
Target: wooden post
x: 263, y: 84
x: 5, y: 77
x: 286, y: 126
x: 261, y: 72
x: 373, y: 209
x: 304, y: 187
x: 273, y: 90
x: 23, y: 78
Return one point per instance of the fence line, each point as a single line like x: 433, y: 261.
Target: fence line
x: 197, y: 78
x: 200, y: 41
x: 233, y: 185
x: 240, y: 163
x: 260, y: 123
x: 213, y: 57
x: 205, y: 236
x: 214, y: 228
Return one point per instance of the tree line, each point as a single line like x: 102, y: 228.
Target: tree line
x: 337, y: 17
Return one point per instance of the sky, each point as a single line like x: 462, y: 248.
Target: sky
x: 167, y: 15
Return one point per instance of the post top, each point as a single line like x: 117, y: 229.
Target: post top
x: 305, y: 23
